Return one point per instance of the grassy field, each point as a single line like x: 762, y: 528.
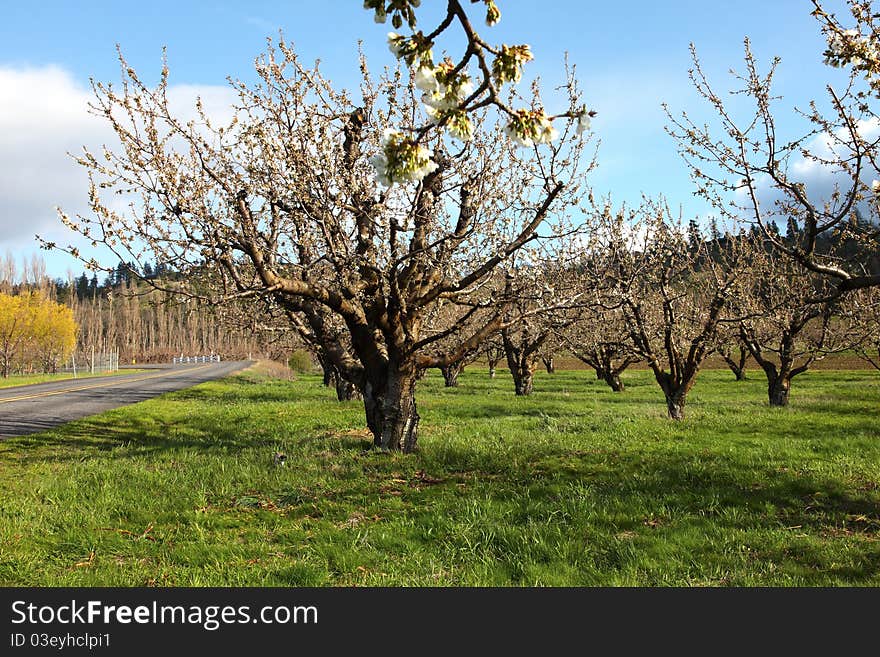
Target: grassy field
x: 573, y: 486
x: 28, y: 379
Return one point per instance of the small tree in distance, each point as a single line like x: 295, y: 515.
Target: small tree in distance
x: 782, y: 330
x: 599, y: 338
x: 733, y: 351
x: 672, y: 294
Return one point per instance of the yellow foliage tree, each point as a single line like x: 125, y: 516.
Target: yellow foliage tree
x: 14, y: 329
x: 53, y: 333
x: 35, y: 333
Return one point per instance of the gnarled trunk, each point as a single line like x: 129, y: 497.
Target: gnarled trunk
x: 450, y: 374
x: 522, y: 380
x: 613, y: 380
x: 390, y: 406
x: 345, y: 390
x: 675, y: 405
x: 493, y: 364
x: 778, y: 389
x: 737, y: 366
x: 328, y: 370
x: 675, y: 390
x: 521, y: 363
x: 779, y: 379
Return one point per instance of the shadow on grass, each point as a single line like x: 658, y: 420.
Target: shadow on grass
x: 150, y: 434
x: 140, y: 437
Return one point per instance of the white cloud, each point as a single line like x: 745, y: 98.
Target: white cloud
x: 43, y: 117
x: 819, y: 179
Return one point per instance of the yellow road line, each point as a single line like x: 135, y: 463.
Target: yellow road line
x: 101, y: 385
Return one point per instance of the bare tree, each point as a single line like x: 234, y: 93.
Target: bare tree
x: 745, y: 168
x: 860, y: 314
x: 783, y: 330
x: 8, y: 273
x: 599, y: 337
x: 548, y: 352
x: 493, y: 350
x: 672, y: 295
x: 542, y: 308
x: 733, y: 351
x: 282, y: 203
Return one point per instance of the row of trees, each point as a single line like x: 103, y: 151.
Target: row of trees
x: 443, y: 210
x: 649, y: 290
x: 141, y: 324
x: 36, y: 334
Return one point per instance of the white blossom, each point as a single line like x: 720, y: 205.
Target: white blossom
x: 583, y: 123
x: 520, y: 139
x: 380, y: 164
x: 460, y: 126
x: 401, y: 160
x: 389, y: 136
x: 426, y: 80
x: 395, y: 44
x: 546, y: 132
x: 445, y: 96
x: 530, y: 127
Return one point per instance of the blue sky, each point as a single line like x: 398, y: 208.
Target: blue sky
x: 630, y: 56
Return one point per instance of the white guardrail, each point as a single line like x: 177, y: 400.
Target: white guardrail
x: 180, y: 360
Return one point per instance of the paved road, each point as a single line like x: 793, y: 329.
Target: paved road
x: 29, y: 409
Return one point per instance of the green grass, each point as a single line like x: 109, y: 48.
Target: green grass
x: 573, y: 486
x: 29, y: 379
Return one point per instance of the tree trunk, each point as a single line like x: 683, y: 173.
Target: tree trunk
x: 522, y: 368
x: 450, y: 374
x: 549, y: 365
x: 522, y: 381
x: 493, y: 363
x: 675, y: 405
x: 675, y: 391
x: 345, y: 390
x: 613, y: 380
x: 778, y: 390
x: 738, y: 367
x: 329, y: 375
x: 390, y: 406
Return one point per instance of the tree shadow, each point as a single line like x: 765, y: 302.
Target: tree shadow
x: 684, y: 493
